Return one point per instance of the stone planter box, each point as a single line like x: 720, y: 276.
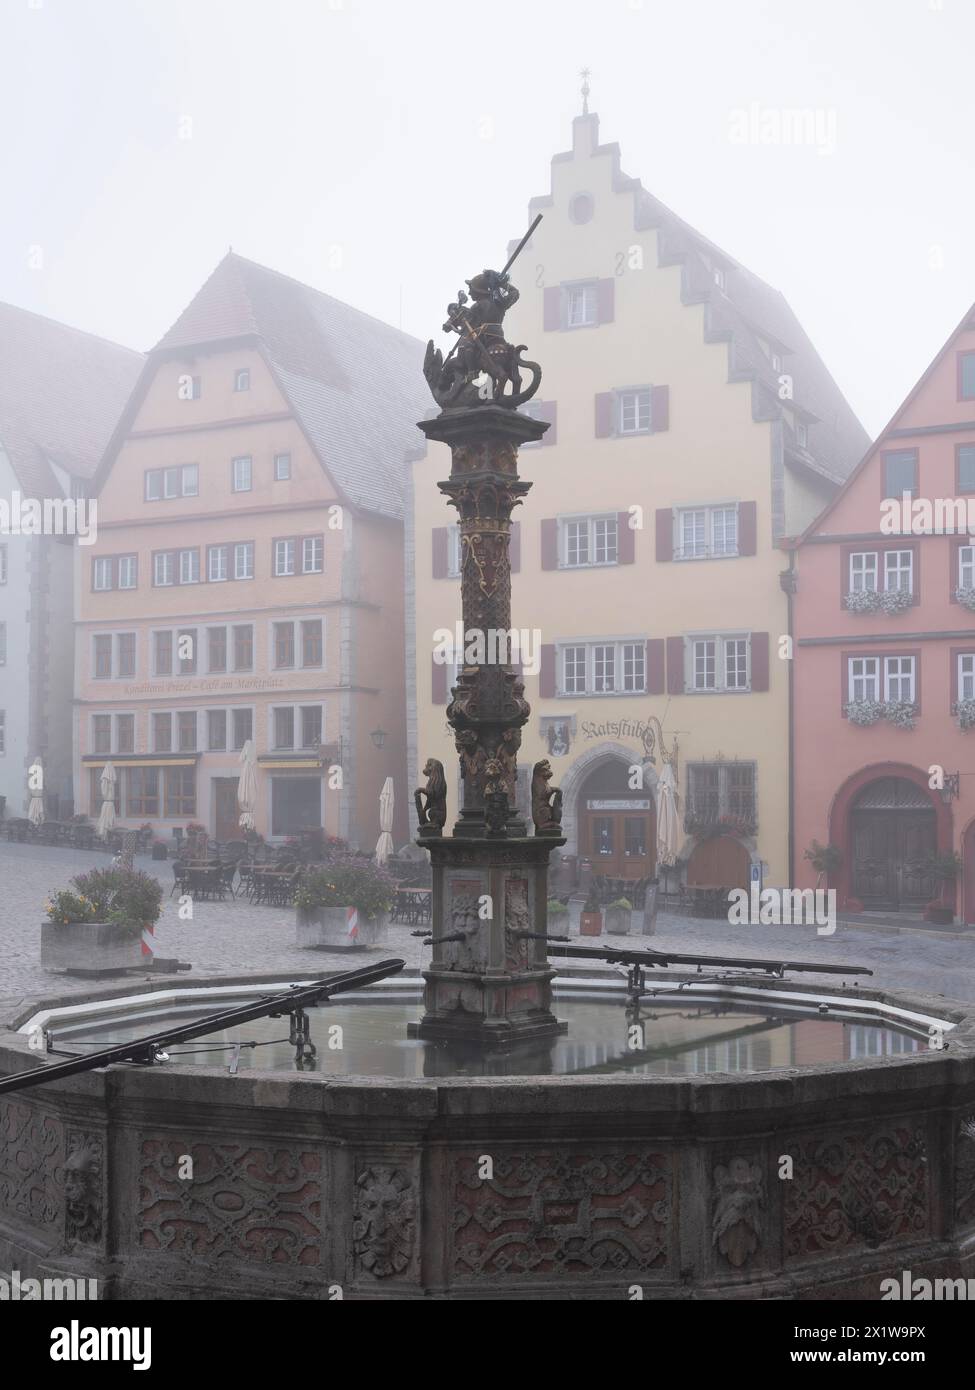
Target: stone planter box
x: 618, y: 920
x: 90, y: 948
x: 327, y: 929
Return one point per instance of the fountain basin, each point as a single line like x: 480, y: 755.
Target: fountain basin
x: 589, y: 1183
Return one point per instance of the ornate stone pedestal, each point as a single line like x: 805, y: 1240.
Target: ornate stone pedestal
x: 489, y: 983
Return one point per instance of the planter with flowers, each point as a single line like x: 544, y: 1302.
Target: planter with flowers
x: 864, y: 713
x: 878, y: 601
x: 619, y: 915
x: 343, y: 907
x: 95, y: 927
x: 966, y: 597
x: 964, y: 711
x: 591, y: 918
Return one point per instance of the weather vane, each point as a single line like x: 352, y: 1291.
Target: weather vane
x: 585, y: 74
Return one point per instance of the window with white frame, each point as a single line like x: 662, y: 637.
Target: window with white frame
x: 284, y: 558
x: 298, y: 644
x: 242, y: 727
x: 899, y: 679
x: 899, y: 571
x: 718, y: 663
x: 186, y: 731
x: 966, y: 567
x: 242, y: 473
x: 216, y: 730
x: 634, y: 411
x: 312, y: 554
x: 230, y: 562
x: 164, y: 484
x: 112, y: 733
x: 175, y: 567
x: 282, y: 468
x: 244, y: 560
x: 242, y: 379
x: 113, y: 572
x: 863, y: 572
x: 589, y: 540
x: 705, y: 533
x: 966, y: 676
x: 604, y: 668
x: 216, y: 650
x: 218, y: 563
x: 189, y: 566
x: 581, y: 305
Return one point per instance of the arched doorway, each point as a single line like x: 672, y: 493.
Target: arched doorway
x: 719, y: 862
x: 893, y: 834
x: 617, y: 825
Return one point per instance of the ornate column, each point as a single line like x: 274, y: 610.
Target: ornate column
x: 489, y: 981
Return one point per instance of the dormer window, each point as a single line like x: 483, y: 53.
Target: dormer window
x: 242, y: 379
x: 776, y: 362
x: 720, y: 279
x: 802, y: 434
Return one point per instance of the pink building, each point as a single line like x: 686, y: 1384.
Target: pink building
x: 884, y: 659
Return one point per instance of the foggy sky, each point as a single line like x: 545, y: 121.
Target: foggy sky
x: 411, y: 134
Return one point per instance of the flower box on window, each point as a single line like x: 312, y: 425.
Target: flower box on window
x: 880, y: 600
x: 966, y: 597
x: 864, y: 713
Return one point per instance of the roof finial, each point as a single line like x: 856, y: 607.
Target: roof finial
x: 585, y: 74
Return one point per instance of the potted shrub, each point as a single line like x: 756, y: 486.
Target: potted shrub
x: 160, y: 850
x: 343, y: 907
x: 825, y: 859
x: 618, y: 917
x: 591, y: 920
x: 945, y: 868
x: 95, y: 927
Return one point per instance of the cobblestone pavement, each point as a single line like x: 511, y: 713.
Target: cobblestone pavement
x: 235, y: 937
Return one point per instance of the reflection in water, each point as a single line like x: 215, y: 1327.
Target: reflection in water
x: 604, y: 1037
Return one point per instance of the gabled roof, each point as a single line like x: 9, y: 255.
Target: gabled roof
x: 354, y: 383
x: 746, y: 311
x: 967, y: 323
x: 61, y: 393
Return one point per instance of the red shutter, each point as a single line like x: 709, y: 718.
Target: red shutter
x: 440, y: 552
x: 760, y: 661
x: 607, y: 299
x: 546, y: 673
x: 438, y: 682
x: 548, y: 410
x: 625, y: 539
x: 552, y: 308
x: 747, y: 528
x: 665, y: 533
x: 675, y: 665
x: 550, y: 543
x: 660, y: 408
x: 655, y: 666
x: 514, y: 549
x: 604, y: 414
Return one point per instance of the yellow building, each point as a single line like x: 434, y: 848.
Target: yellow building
x: 692, y: 426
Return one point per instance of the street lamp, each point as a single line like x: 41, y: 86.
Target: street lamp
x: 378, y: 737
x: 951, y: 787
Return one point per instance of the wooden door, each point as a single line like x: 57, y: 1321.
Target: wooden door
x: 621, y: 843
x: 890, y: 850
x: 225, y: 812
x: 721, y: 862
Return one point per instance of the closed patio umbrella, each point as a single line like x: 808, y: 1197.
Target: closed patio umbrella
x: 106, y: 816
x: 247, y: 786
x: 384, y: 845
x: 35, y: 789
x: 668, y: 825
